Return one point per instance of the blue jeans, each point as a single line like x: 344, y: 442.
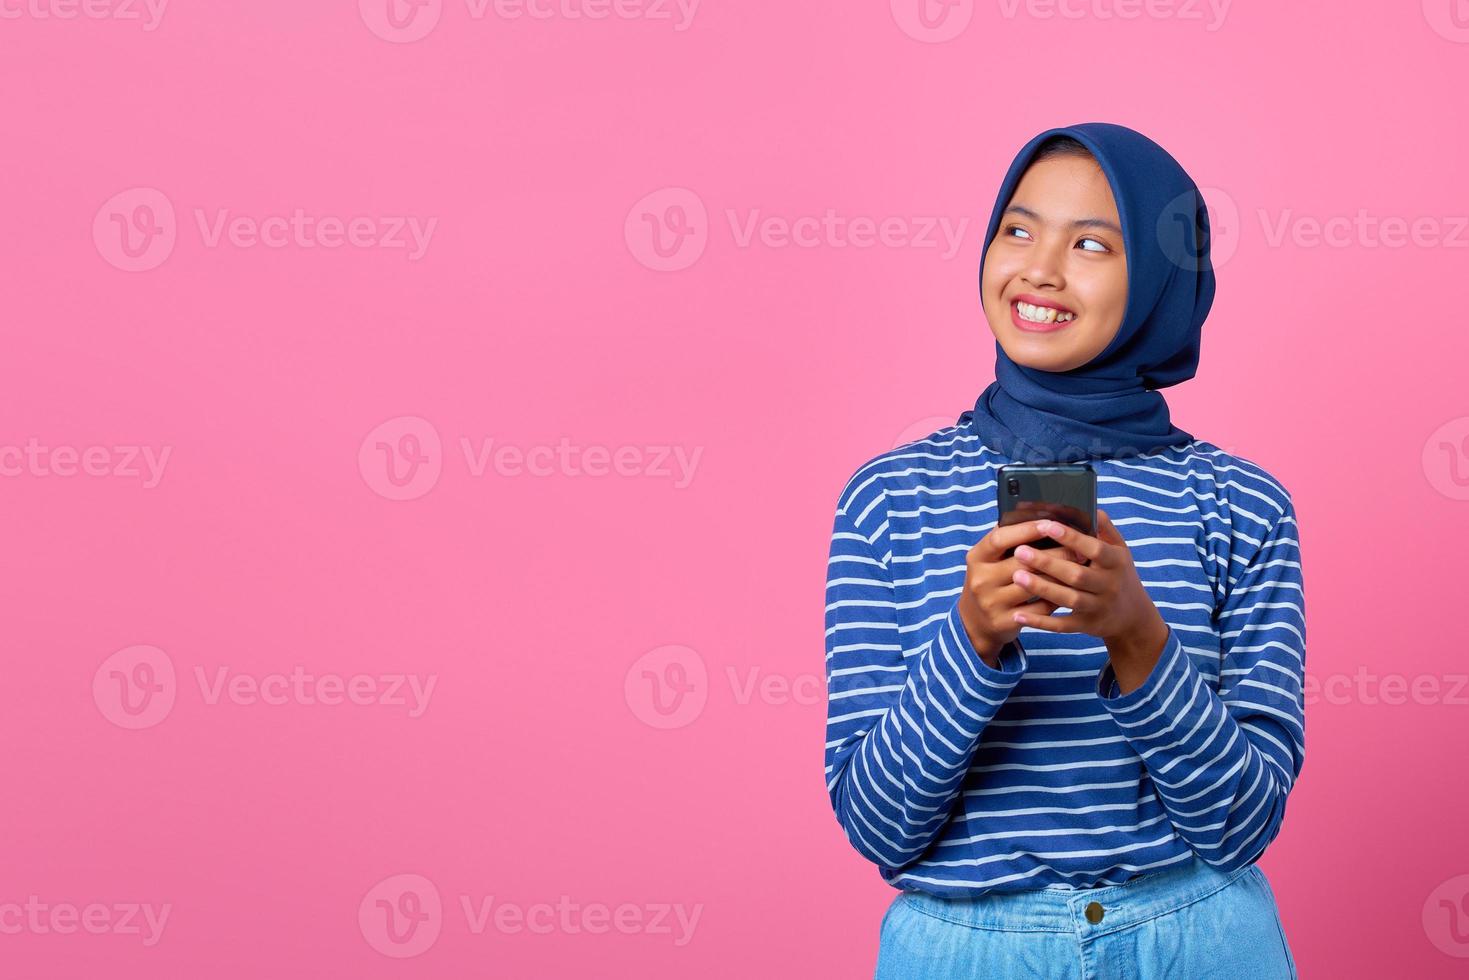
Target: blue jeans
x: 1189, y: 920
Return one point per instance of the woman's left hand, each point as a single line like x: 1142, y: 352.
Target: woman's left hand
x: 1106, y: 597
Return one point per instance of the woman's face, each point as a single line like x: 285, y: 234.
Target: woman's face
x: 1059, y: 247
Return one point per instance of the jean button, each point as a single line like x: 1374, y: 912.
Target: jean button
x: 1094, y: 912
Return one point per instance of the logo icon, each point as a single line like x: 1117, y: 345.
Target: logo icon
x: 135, y: 687
x: 1448, y: 18
x: 1446, y: 916
x: 668, y: 229
x: 667, y: 687
x: 1184, y: 229
x: 933, y: 21
x: 402, y: 458
x: 1446, y: 459
x: 401, y: 916
x: 135, y: 230
x: 924, y: 428
x: 400, y: 21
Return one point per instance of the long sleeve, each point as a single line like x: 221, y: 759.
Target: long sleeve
x: 1224, y: 762
x: 901, y: 731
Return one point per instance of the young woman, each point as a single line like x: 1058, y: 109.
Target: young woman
x: 1070, y: 760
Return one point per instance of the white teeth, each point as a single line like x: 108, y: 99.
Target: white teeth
x: 1043, y: 314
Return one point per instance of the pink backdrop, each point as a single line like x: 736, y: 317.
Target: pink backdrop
x: 421, y: 430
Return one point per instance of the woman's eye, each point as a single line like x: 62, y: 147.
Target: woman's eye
x: 1021, y: 230
x: 1092, y: 241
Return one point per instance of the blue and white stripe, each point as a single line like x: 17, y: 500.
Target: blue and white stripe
x: 957, y: 778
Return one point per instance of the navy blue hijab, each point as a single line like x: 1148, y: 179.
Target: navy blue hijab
x: 1110, y: 407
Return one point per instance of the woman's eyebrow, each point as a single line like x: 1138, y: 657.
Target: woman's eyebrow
x: 1026, y: 212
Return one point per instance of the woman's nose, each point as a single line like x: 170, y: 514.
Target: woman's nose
x: 1045, y: 265
x: 1046, y: 260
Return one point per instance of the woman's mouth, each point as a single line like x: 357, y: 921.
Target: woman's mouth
x: 1039, y: 317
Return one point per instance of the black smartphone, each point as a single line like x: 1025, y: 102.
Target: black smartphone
x: 1065, y: 492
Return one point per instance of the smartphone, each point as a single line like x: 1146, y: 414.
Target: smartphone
x: 1065, y: 492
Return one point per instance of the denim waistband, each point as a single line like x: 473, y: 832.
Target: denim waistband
x: 1138, y: 899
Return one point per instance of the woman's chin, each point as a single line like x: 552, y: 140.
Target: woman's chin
x: 1026, y: 354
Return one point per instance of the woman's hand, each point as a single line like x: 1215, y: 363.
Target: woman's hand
x: 990, y: 594
x: 1106, y: 597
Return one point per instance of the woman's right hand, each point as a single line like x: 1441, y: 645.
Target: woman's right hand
x: 990, y: 595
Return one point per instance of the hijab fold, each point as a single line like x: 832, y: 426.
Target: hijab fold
x: 1110, y: 407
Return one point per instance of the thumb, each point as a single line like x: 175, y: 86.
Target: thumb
x: 1107, y: 531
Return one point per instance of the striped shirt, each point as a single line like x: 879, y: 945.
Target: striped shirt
x: 956, y: 778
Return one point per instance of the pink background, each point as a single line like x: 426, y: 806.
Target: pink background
x: 542, y: 770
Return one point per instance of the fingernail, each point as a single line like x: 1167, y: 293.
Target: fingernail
x: 1023, y: 578
x: 1025, y: 552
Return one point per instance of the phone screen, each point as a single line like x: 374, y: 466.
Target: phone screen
x: 1064, y: 492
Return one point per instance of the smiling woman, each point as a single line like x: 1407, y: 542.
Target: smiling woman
x: 1054, y: 288
x: 1084, y: 793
